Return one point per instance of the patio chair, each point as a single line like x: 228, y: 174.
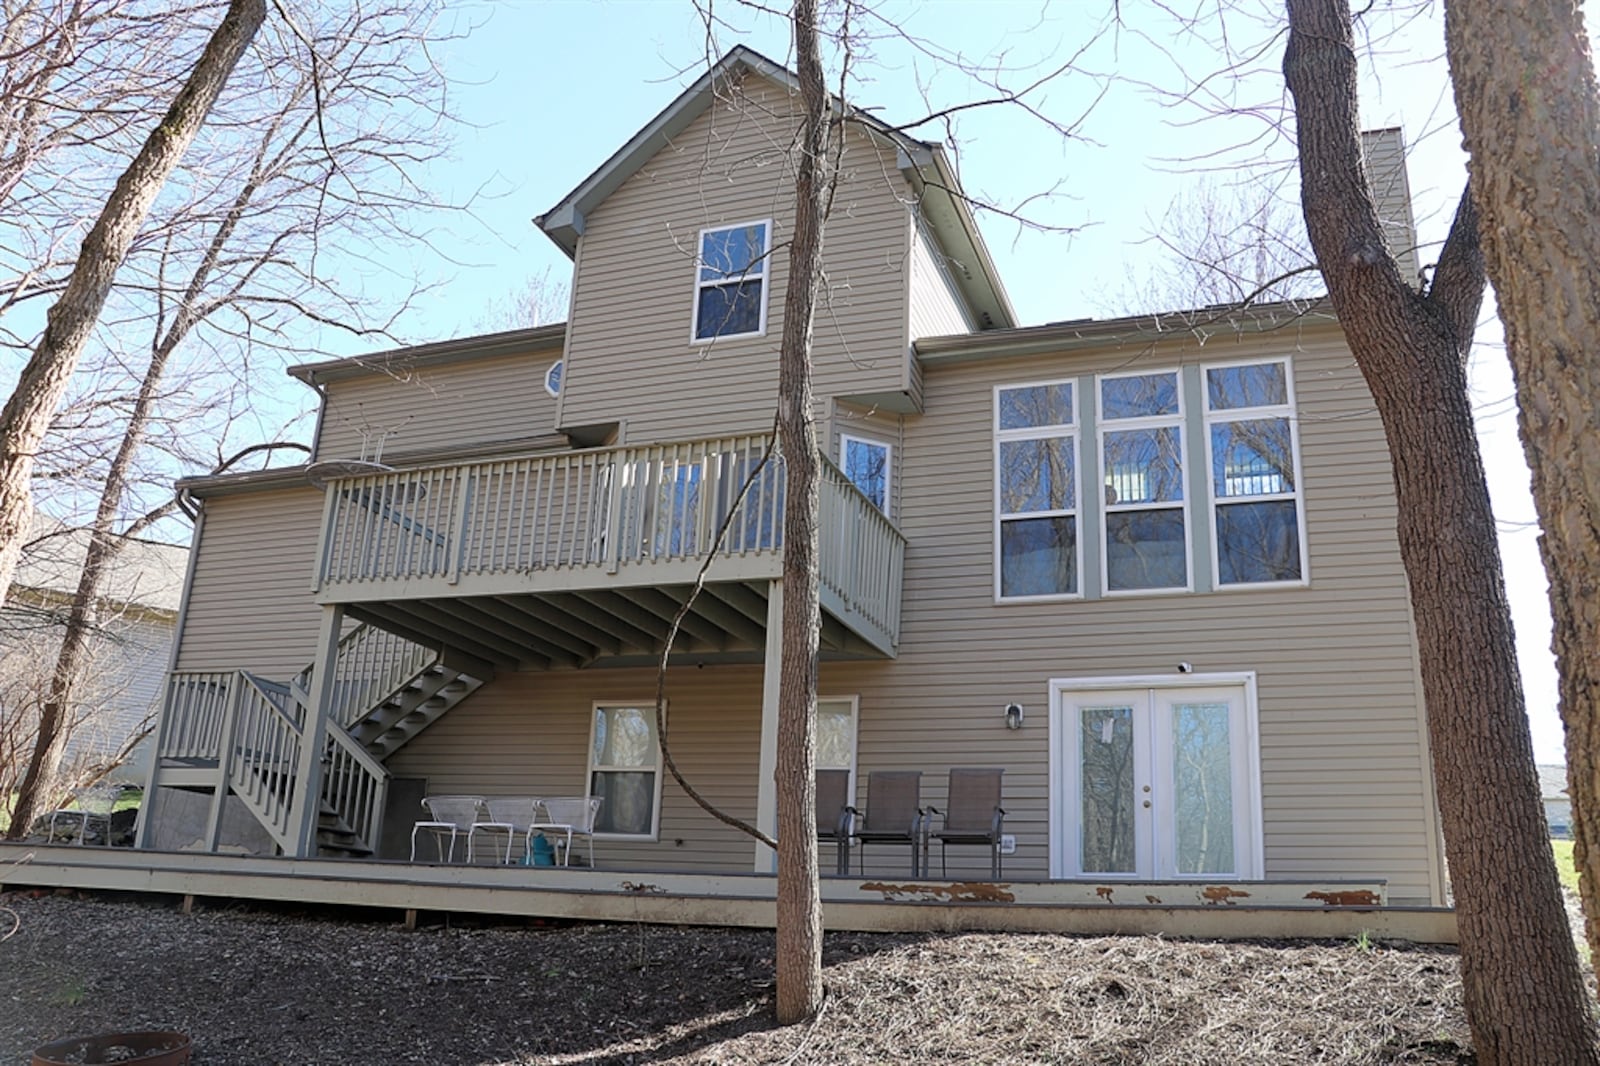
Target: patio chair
x: 569, y: 816
x: 894, y: 814
x: 972, y: 815
x: 835, y: 815
x: 92, y: 803
x: 452, y: 816
x: 509, y: 815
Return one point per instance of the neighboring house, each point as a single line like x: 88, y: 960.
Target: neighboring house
x: 1557, y: 804
x: 127, y: 657
x: 1170, y: 540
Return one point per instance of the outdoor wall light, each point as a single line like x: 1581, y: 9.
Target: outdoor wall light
x: 1014, y: 714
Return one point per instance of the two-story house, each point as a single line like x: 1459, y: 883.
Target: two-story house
x: 1147, y: 566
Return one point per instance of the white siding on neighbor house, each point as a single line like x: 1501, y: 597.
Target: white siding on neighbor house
x: 481, y: 401
x: 937, y: 309
x: 251, y: 606
x: 629, y: 353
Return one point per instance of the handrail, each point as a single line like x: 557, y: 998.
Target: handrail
x: 355, y: 786
x: 371, y: 665
x: 264, y: 755
x: 192, y: 718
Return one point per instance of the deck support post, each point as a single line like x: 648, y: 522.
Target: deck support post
x: 766, y: 860
x: 313, y: 733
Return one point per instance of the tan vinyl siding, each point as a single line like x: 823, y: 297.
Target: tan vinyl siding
x: 250, y: 606
x: 629, y: 351
x: 480, y: 401
x: 528, y: 734
x: 1343, y: 765
x: 937, y: 309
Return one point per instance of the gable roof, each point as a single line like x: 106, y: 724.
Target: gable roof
x: 924, y: 165
x: 146, y: 573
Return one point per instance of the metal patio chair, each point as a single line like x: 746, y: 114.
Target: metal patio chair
x: 451, y: 817
x: 835, y: 816
x: 972, y: 815
x: 894, y: 814
x: 92, y: 803
x: 569, y: 816
x: 509, y: 815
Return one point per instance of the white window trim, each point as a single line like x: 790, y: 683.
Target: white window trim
x: 1177, y: 420
x: 1240, y: 414
x: 1057, y: 823
x: 766, y: 282
x: 888, y: 464
x: 855, y: 735
x: 551, y: 369
x: 1071, y: 429
x: 591, y: 769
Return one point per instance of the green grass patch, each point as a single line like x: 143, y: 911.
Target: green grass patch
x: 1565, y: 868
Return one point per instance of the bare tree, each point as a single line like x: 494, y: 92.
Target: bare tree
x: 538, y: 301
x: 1524, y: 998
x: 233, y: 265
x: 72, y: 318
x: 1525, y: 92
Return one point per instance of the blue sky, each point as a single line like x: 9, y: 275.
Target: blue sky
x: 551, y: 89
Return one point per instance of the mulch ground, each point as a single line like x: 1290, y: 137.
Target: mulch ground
x: 254, y: 987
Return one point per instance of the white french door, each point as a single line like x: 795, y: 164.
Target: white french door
x: 1155, y: 780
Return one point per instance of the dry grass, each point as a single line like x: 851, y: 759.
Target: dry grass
x: 255, y: 987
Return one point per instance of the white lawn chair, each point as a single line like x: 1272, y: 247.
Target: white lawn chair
x: 452, y: 816
x: 568, y: 817
x: 509, y: 815
x: 92, y: 803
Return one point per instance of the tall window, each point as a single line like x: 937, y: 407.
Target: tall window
x: 730, y: 297
x: 1141, y: 463
x: 867, y: 464
x: 1255, y: 499
x: 836, y: 734
x: 1036, y: 491
x: 625, y: 770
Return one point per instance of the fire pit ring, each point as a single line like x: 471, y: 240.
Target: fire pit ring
x: 146, y: 1048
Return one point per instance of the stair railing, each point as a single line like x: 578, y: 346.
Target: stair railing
x: 372, y: 665
x: 355, y: 786
x: 263, y: 754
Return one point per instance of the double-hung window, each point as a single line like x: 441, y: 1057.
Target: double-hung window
x: 730, y: 296
x: 1036, y: 491
x: 1146, y: 546
x: 1255, y: 498
x: 625, y: 770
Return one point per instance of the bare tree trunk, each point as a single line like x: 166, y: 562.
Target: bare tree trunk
x: 1524, y: 998
x: 799, y: 952
x: 72, y: 319
x: 50, y: 744
x: 1535, y: 162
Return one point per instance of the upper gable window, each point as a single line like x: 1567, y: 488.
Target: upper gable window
x: 552, y: 378
x: 730, y: 298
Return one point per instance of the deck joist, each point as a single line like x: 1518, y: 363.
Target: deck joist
x: 1231, y: 910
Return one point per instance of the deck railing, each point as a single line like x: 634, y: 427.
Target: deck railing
x: 605, y: 508
x: 193, y: 715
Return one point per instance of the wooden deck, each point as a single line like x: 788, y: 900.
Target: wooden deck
x: 1230, y: 910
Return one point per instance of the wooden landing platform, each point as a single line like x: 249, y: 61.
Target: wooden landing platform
x: 1209, y: 910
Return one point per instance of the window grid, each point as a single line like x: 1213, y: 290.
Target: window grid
x: 1118, y: 486
x: 1066, y: 431
x: 1260, y: 475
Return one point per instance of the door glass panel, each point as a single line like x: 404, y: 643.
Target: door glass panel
x: 1107, y: 800
x: 1202, y: 788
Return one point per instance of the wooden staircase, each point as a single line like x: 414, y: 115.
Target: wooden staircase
x: 242, y: 735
